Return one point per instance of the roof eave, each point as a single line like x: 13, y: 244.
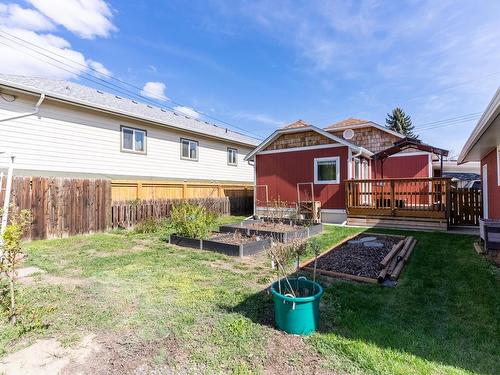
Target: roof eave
x: 490, y: 113
x: 81, y: 103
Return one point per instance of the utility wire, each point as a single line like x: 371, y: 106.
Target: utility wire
x: 105, y: 83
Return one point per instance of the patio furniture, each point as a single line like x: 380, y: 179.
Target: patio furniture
x: 489, y: 230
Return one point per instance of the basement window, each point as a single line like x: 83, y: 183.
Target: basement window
x: 189, y: 149
x: 133, y: 140
x: 327, y: 170
x: 232, y: 156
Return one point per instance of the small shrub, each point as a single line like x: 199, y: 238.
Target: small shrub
x: 192, y: 221
x: 151, y: 225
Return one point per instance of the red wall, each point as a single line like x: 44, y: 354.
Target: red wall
x: 282, y: 171
x: 493, y: 188
x: 403, y: 167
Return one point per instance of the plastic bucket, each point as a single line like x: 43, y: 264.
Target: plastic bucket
x: 297, y: 315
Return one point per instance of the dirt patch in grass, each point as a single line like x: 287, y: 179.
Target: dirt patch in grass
x: 126, y: 353
x: 289, y: 354
x: 55, y: 280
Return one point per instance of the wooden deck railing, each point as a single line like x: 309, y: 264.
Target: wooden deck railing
x: 403, y: 197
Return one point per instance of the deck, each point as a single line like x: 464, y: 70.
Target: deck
x: 422, y: 203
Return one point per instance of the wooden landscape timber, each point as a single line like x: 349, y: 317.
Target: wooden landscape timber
x: 391, y: 265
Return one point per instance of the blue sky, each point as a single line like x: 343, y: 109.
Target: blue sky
x: 261, y: 64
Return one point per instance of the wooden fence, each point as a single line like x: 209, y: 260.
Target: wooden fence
x: 466, y: 206
x: 62, y: 206
x: 125, y: 190
x: 127, y: 214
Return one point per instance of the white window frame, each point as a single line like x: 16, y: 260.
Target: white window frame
x: 336, y: 159
x: 197, y: 149
x: 134, y: 131
x: 229, y: 149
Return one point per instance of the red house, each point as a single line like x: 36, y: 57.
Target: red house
x: 484, y: 145
x: 303, y: 162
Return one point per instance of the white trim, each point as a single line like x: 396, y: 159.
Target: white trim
x: 279, y: 132
x: 413, y: 153
x: 498, y: 165
x: 365, y: 125
x: 327, y: 182
x: 487, y: 118
x: 484, y: 184
x: 304, y: 148
x: 349, y: 165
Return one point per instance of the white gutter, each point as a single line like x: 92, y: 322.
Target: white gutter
x: 36, y: 109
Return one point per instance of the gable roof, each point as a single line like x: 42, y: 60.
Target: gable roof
x: 484, y: 137
x: 296, y: 124
x: 352, y: 123
x: 301, y: 129
x: 96, y: 99
x: 407, y: 143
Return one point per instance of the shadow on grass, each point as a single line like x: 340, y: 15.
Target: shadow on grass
x: 444, y: 312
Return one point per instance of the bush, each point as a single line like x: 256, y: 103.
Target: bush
x: 192, y: 221
x: 151, y: 225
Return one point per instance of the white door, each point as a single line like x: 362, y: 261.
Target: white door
x: 484, y: 184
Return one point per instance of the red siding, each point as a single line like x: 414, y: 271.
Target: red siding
x: 410, y: 166
x: 282, y: 171
x: 493, y: 188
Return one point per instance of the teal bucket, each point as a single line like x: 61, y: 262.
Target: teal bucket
x: 297, y: 315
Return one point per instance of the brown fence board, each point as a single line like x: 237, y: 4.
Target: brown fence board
x: 466, y: 206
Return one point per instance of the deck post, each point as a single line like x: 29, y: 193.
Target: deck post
x: 393, y: 201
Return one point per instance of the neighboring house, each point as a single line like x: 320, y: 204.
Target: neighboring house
x: 464, y: 175
x: 300, y: 157
x: 85, y: 132
x: 484, y: 145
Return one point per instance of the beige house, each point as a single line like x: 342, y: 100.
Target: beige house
x: 60, y: 128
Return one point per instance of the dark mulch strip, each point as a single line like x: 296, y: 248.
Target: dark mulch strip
x: 357, y: 259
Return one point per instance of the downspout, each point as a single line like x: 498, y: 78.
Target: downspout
x: 36, y: 109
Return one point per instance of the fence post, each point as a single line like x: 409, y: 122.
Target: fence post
x: 393, y: 201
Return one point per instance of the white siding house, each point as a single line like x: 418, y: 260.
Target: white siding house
x: 81, y: 131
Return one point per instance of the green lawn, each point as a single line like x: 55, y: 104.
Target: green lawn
x: 199, y: 311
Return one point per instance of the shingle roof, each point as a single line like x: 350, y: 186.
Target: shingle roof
x: 76, y: 93
x: 296, y: 124
x: 348, y: 122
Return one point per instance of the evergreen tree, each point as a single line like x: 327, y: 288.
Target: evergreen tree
x: 400, y: 122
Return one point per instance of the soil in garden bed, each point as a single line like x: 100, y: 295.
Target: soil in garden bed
x: 233, y: 238
x: 355, y: 258
x: 275, y: 227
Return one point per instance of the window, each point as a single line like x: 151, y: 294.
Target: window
x: 232, y: 156
x: 189, y: 149
x: 133, y: 140
x: 327, y: 170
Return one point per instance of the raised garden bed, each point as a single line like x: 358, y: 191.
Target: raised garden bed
x: 234, y: 244
x: 371, y: 258
x: 282, y: 232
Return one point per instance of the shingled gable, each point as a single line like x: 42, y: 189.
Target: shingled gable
x: 309, y: 136
x: 367, y: 134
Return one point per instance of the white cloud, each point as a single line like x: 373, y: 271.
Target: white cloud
x: 155, y: 90
x: 29, y: 37
x: 87, y: 19
x: 188, y: 111
x: 13, y: 16
x: 98, y: 68
x: 22, y: 61
x: 259, y: 117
